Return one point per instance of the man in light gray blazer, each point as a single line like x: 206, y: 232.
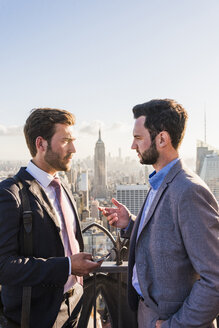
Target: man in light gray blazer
x: 173, y: 276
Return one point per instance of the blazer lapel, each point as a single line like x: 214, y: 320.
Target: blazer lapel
x: 42, y: 198
x: 38, y: 192
x: 169, y: 177
x: 154, y: 204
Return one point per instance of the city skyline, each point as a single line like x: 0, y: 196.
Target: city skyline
x: 99, y: 59
x: 13, y: 145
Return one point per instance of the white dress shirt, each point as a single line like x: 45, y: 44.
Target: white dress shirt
x: 44, y: 179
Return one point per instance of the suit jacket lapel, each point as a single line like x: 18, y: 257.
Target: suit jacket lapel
x: 38, y: 192
x: 169, y: 177
x: 154, y: 204
x: 44, y: 201
x: 42, y: 198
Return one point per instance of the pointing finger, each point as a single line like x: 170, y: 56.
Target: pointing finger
x: 102, y: 209
x: 116, y: 203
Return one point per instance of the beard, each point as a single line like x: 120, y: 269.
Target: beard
x: 56, y: 161
x: 149, y: 156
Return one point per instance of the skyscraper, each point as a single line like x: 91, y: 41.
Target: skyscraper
x: 207, y: 166
x: 210, y: 173
x: 83, y: 187
x: 99, y: 169
x: 132, y: 196
x: 202, y: 150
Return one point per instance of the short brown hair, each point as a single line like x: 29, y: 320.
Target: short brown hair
x: 163, y: 115
x: 41, y: 122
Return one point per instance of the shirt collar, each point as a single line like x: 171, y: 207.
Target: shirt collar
x: 155, y: 179
x: 41, y: 176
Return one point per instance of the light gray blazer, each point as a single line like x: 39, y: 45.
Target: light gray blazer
x: 177, y: 253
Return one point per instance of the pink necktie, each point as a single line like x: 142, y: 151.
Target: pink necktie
x: 56, y: 184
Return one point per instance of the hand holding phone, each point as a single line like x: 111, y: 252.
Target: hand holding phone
x: 102, y: 258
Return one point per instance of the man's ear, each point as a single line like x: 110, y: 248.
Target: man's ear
x: 41, y: 144
x: 163, y: 139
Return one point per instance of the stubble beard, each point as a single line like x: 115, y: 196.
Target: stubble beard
x: 150, y: 156
x: 54, y: 160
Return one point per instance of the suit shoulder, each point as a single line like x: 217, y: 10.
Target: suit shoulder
x: 189, y: 179
x: 9, y: 190
x: 181, y: 179
x: 9, y: 184
x: 189, y: 183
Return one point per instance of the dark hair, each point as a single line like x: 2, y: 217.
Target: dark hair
x: 163, y: 115
x: 41, y: 122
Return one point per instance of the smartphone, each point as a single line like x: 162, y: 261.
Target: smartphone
x: 102, y: 258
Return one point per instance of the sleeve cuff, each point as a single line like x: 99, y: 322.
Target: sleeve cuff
x: 69, y: 271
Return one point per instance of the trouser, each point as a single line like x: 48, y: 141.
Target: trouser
x: 70, y: 309
x: 147, y: 317
x: 68, y: 315
x: 6, y: 323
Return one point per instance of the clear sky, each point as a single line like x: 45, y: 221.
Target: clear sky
x: 99, y: 58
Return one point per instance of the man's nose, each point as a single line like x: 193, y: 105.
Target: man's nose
x: 133, y: 146
x: 72, y: 149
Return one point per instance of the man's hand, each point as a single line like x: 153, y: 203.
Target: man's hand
x: 117, y: 217
x: 82, y: 264
x: 159, y: 323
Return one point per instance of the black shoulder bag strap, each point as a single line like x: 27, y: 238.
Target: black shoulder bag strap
x: 28, y: 250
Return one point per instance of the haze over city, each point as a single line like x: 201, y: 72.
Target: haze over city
x: 98, y: 59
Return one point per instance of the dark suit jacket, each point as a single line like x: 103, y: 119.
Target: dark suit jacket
x: 47, y: 270
x: 177, y: 253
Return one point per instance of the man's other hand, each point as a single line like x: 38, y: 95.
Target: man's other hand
x: 117, y: 217
x: 159, y: 323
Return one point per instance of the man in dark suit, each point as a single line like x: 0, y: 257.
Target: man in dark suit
x: 55, y: 268
x: 173, y: 276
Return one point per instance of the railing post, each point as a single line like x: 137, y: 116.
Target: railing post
x: 94, y: 301
x: 119, y: 305
x: 113, y: 267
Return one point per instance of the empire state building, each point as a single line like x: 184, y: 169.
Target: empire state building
x: 99, y: 169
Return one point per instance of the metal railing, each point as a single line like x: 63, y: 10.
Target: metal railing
x: 109, y: 281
